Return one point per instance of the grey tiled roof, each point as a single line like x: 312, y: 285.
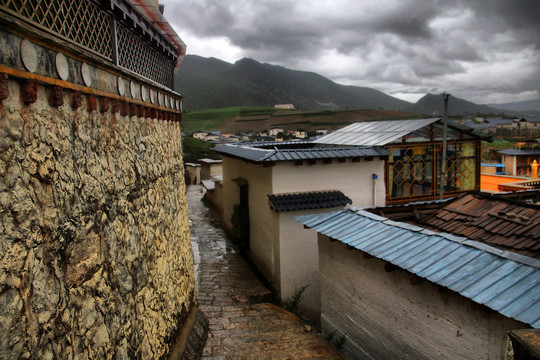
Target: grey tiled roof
x: 260, y: 155
x: 308, y: 200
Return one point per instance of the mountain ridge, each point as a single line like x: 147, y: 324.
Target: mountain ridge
x: 519, y: 106
x: 210, y: 83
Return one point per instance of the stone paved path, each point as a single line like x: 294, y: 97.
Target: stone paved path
x: 229, y: 294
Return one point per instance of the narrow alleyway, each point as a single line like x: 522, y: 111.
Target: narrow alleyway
x: 230, y: 295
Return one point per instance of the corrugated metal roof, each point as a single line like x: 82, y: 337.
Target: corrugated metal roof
x: 308, y: 200
x: 518, y: 152
x: 503, y: 281
x: 257, y: 154
x: 499, y: 121
x: 374, y: 133
x: 531, y: 118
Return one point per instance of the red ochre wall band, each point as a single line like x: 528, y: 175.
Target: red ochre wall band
x: 107, y: 102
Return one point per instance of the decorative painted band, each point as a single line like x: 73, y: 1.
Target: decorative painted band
x: 113, y: 30
x: 107, y: 102
x: 37, y: 58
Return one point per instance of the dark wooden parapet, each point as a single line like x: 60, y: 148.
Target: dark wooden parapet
x: 112, y: 30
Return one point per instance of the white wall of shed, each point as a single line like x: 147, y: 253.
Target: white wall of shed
x: 263, y: 226
x: 354, y: 179
x: 385, y: 317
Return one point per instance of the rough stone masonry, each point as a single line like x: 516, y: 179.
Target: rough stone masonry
x: 95, y: 253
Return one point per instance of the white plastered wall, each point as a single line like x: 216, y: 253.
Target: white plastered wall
x: 385, y: 317
x: 263, y: 226
x: 276, y: 239
x: 354, y: 179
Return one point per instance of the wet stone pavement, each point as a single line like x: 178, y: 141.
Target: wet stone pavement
x: 243, y: 325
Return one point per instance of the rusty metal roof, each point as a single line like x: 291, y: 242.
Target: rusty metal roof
x: 501, y: 280
x: 308, y: 200
x: 501, y: 223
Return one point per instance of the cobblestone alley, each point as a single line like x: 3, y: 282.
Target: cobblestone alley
x: 242, y: 324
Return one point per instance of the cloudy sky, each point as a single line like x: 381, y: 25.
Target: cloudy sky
x: 480, y: 50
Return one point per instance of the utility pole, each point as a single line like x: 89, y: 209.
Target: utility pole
x: 442, y: 176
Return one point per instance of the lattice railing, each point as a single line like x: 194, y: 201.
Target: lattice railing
x: 75, y: 20
x: 134, y: 54
x: 90, y: 27
x: 410, y: 171
x: 413, y: 171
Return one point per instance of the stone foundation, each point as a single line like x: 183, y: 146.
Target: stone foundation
x: 95, y: 251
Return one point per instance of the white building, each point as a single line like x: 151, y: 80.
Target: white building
x: 262, y: 177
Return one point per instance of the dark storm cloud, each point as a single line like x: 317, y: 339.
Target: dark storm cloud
x: 408, y: 19
x: 392, y: 43
x: 518, y: 16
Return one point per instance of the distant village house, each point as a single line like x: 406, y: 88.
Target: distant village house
x: 415, y: 146
x: 284, y: 106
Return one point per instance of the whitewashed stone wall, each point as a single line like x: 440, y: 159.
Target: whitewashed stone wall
x: 95, y: 254
x: 383, y: 316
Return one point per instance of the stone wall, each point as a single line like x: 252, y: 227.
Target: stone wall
x: 95, y: 252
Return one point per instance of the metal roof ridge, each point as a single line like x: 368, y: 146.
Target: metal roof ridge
x: 522, y: 259
x: 269, y: 154
x: 305, y: 192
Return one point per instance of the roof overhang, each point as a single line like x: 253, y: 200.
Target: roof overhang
x: 149, y: 10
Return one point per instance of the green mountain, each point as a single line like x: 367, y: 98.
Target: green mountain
x: 209, y: 83
x: 433, y: 105
x: 529, y: 106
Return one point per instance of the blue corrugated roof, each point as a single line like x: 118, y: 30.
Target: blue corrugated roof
x: 503, y: 281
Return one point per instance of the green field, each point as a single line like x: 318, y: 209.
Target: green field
x: 194, y: 149
x: 210, y: 120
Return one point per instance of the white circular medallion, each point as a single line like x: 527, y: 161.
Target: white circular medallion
x: 134, y: 89
x: 121, y: 86
x: 86, y: 71
x: 62, y: 66
x: 29, y: 55
x: 144, y: 93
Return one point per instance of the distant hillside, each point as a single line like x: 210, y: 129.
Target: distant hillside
x: 433, y: 105
x: 244, y: 119
x: 520, y: 106
x: 209, y: 83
